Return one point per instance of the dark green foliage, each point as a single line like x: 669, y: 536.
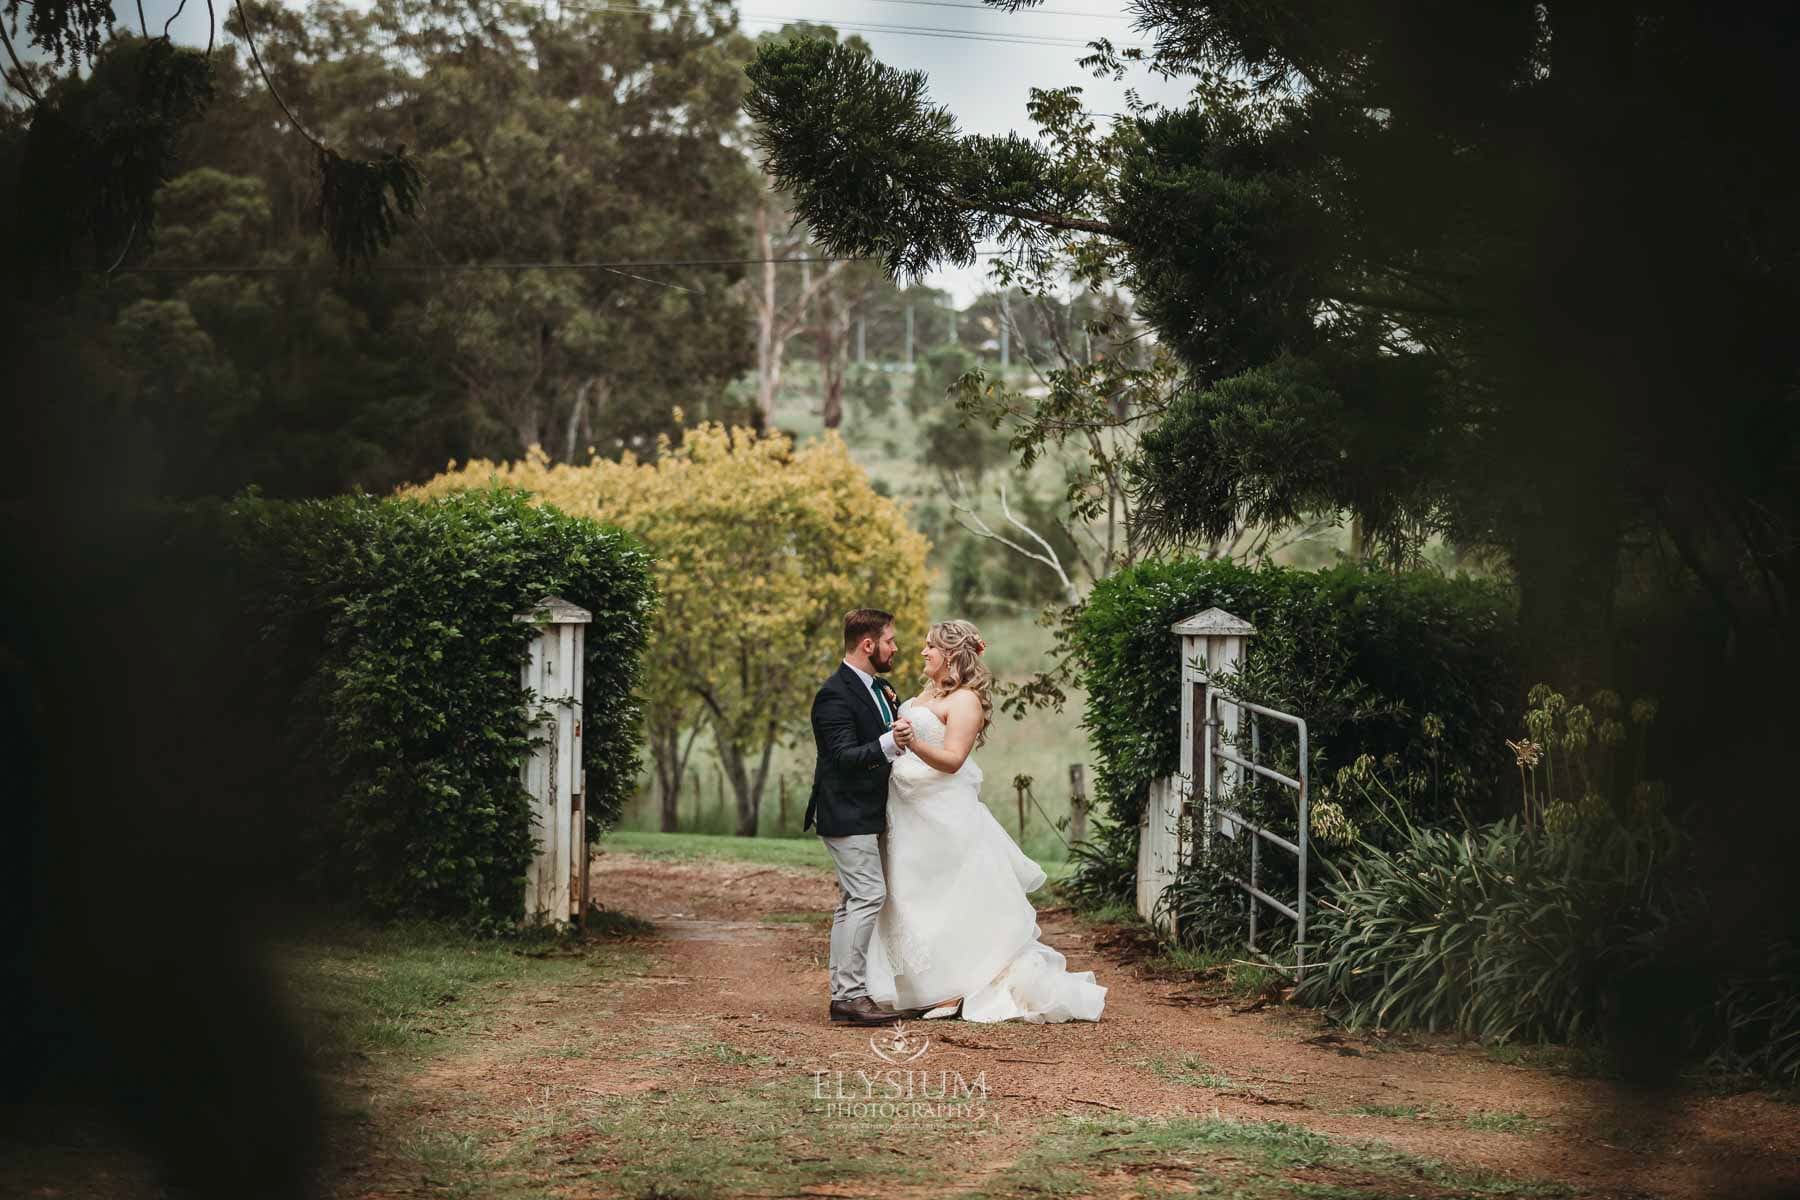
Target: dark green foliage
x: 1212, y: 913
x: 1757, y: 1020
x: 1105, y: 869
x: 1364, y: 656
x: 1277, y: 442
x: 307, y: 379
x: 962, y: 448
x: 1594, y: 929
x: 391, y: 621
x: 876, y: 169
x: 870, y: 391
x: 1470, y: 270
x: 800, y: 87
x: 101, y: 145
x: 355, y: 209
x: 68, y: 29
x: 150, y: 846
x: 1500, y: 932
x: 967, y: 577
x: 938, y: 371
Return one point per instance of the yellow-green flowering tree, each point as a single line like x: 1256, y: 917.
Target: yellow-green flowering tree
x: 761, y: 549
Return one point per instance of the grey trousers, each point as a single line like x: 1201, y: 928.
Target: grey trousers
x: 862, y: 888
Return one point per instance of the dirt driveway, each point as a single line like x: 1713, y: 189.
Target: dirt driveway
x: 716, y: 1066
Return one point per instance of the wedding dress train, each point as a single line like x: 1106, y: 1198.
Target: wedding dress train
x: 957, y: 921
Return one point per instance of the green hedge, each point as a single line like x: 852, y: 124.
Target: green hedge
x: 388, y: 628
x: 1365, y: 656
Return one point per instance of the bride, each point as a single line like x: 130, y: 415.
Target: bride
x: 957, y: 925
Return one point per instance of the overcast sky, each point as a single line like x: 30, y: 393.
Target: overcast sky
x: 985, y: 83
x: 982, y: 63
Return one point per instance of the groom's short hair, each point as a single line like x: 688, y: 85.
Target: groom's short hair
x: 865, y: 622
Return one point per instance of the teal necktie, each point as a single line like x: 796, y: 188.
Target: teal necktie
x: 881, y: 703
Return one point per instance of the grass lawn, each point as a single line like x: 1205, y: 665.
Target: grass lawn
x: 1239, y: 1159
x: 798, y: 851
x: 805, y: 850
x: 400, y: 994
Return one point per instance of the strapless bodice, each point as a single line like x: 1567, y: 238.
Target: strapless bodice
x: 927, y: 725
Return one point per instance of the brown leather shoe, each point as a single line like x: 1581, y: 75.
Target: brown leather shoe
x: 861, y: 1011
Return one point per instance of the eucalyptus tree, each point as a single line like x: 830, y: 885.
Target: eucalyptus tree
x: 547, y: 141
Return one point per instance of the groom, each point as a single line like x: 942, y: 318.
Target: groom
x: 858, y: 740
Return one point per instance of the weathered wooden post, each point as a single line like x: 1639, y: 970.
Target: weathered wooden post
x: 1158, y: 841
x: 556, y: 879
x: 1078, y: 802
x: 1212, y: 642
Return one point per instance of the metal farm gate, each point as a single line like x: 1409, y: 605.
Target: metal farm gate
x: 1216, y: 729
x: 1220, y: 758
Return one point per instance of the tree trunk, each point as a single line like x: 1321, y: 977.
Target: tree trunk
x: 668, y: 779
x: 669, y: 754
x: 588, y: 398
x: 745, y: 785
x: 834, y: 346
x: 770, y: 345
x: 527, y: 425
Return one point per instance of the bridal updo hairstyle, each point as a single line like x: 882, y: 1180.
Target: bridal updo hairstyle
x: 962, y: 646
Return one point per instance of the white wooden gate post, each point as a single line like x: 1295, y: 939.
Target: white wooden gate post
x: 1211, y: 642
x: 556, y: 879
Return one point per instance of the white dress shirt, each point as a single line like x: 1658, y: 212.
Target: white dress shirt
x: 889, y: 746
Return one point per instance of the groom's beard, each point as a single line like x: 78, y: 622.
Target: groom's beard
x: 880, y: 664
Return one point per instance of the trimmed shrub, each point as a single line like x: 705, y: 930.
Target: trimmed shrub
x: 389, y: 626
x: 1365, y: 656
x: 1415, y: 670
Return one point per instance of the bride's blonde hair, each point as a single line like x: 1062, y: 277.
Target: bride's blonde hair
x: 962, y: 646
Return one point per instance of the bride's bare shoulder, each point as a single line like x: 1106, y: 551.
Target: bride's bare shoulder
x: 963, y: 702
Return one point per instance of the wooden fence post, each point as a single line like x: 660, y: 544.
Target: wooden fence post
x: 1212, y: 642
x: 1078, y: 803
x: 556, y: 879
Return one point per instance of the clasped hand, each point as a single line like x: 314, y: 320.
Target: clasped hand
x: 903, y: 733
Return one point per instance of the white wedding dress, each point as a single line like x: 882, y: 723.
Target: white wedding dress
x: 956, y: 921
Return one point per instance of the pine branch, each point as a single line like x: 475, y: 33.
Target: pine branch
x: 19, y: 67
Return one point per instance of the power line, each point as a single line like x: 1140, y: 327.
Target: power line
x: 933, y: 31
x: 1042, y: 12
x: 618, y: 267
